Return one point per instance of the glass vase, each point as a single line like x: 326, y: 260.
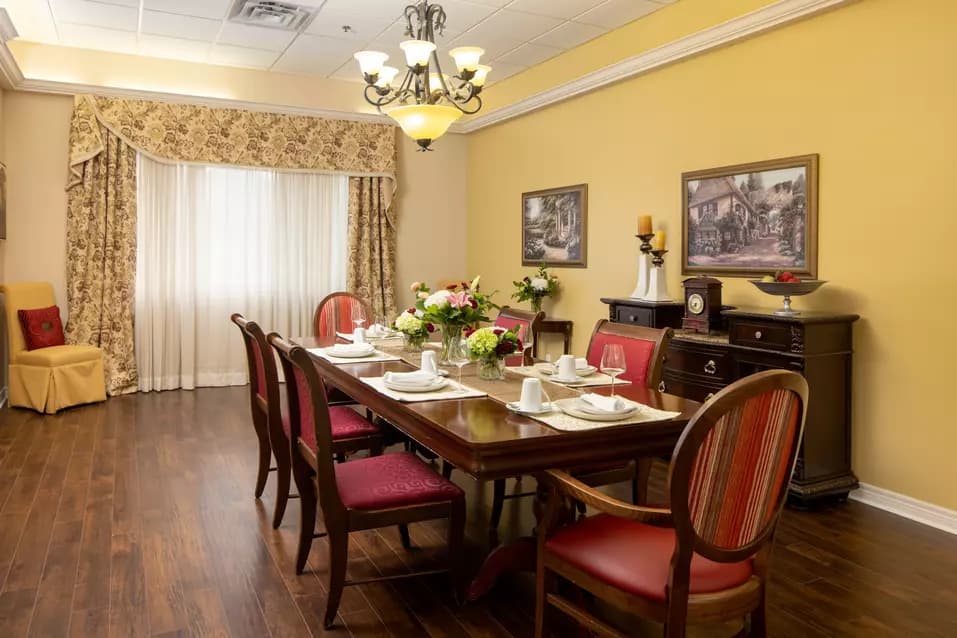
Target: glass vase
x: 491, y: 369
x: 413, y: 343
x: 451, y: 335
x: 537, y: 304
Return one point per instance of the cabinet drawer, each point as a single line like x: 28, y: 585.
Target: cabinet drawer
x: 677, y: 384
x: 706, y: 364
x: 769, y: 335
x: 634, y: 316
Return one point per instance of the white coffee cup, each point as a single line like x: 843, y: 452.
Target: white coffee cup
x: 428, y: 362
x: 531, y: 399
x: 566, y: 368
x: 359, y: 335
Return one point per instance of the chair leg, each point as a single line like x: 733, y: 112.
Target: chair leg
x: 265, y: 458
x: 283, y: 474
x: 447, y: 469
x: 498, y: 502
x: 456, y: 539
x: 338, y: 556
x: 758, y: 621
x: 307, y: 520
x: 543, y: 582
x: 639, y: 484
x: 404, y: 535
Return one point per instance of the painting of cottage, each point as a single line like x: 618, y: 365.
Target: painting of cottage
x: 751, y: 219
x: 554, y: 225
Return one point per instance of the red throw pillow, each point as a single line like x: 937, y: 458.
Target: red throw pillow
x: 42, y: 327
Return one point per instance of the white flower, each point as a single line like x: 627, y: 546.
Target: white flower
x: 438, y: 299
x: 539, y: 283
x: 475, y: 282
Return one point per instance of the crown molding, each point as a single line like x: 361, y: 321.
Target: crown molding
x: 750, y: 24
x: 775, y: 15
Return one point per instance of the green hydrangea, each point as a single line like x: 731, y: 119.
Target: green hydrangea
x: 483, y: 342
x: 409, y: 323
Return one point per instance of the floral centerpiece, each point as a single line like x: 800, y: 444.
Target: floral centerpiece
x: 536, y: 288
x: 452, y: 309
x: 415, y: 331
x: 489, y: 346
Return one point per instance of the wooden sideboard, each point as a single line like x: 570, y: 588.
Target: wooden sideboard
x: 817, y: 345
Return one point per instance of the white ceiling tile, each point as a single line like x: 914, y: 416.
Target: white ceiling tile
x: 179, y: 26
x: 158, y: 46
x: 502, y: 70
x: 350, y: 73
x: 97, y: 14
x: 316, y: 55
x: 492, y: 3
x: 515, y: 25
x: 390, y: 9
x: 125, y: 3
x: 244, y: 35
x: 215, y: 9
x: 241, y: 56
x: 495, y: 44
x: 462, y: 16
x: 615, y: 13
x: 555, y: 8
x: 570, y: 35
x: 529, y: 55
x: 33, y: 21
x: 363, y: 27
x: 87, y: 37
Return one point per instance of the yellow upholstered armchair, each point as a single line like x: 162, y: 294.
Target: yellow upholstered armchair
x: 52, y: 378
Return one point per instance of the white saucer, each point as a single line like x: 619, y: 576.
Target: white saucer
x: 513, y: 406
x: 351, y: 354
x: 438, y: 385
x: 576, y: 380
x: 549, y: 369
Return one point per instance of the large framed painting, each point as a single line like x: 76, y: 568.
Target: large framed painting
x: 554, y: 224
x: 751, y: 219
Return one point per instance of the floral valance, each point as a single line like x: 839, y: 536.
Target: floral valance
x: 194, y: 133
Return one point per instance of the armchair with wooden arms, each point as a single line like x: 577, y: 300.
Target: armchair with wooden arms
x: 705, y: 558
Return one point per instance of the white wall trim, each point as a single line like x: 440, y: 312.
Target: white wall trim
x: 775, y: 15
x: 745, y: 26
x: 919, y: 511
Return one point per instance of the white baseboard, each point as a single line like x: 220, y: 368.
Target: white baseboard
x: 919, y: 511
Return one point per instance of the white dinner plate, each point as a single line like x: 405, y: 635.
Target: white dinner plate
x: 515, y: 406
x: 584, y: 406
x: 350, y: 353
x: 401, y: 387
x: 572, y: 407
x: 575, y: 381
x: 549, y: 369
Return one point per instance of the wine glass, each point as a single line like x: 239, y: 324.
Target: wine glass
x: 528, y: 341
x: 358, y: 315
x: 613, y: 362
x: 459, y: 357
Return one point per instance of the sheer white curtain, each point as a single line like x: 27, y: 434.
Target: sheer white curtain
x: 214, y: 240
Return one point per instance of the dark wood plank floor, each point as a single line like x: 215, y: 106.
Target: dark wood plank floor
x: 136, y: 518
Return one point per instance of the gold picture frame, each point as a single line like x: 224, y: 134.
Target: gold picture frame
x: 555, y: 227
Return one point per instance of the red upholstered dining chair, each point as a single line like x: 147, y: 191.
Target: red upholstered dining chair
x: 350, y: 431
x: 365, y: 493
x: 526, y: 321
x: 705, y: 558
x: 334, y: 314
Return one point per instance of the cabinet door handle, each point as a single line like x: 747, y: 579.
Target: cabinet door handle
x: 661, y: 386
x: 711, y: 367
x: 757, y: 334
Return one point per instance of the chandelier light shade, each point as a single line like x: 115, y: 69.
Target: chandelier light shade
x: 427, y: 101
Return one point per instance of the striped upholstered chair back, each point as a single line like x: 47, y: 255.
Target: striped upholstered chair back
x: 334, y: 314
x: 730, y: 471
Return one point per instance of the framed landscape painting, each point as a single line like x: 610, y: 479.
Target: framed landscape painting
x: 751, y: 219
x: 554, y: 226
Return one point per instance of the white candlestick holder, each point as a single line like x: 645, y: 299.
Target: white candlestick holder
x: 657, y: 283
x: 644, y: 266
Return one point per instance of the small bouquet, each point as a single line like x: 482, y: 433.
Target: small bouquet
x: 414, y: 330
x: 536, y: 288
x: 489, y: 346
x: 452, y: 309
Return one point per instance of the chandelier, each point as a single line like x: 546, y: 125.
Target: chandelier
x: 428, y: 101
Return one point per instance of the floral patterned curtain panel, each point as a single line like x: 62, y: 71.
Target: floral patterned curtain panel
x: 102, y: 197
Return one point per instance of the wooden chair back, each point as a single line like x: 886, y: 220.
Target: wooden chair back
x: 645, y: 349
x: 729, y: 473
x: 526, y: 321
x: 263, y: 374
x: 334, y: 314
x: 308, y: 407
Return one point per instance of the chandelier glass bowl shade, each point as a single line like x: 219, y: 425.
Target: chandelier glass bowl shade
x: 427, y: 101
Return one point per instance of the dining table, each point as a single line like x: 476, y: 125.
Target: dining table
x: 482, y: 437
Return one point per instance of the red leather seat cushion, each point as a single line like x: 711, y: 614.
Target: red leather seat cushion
x: 636, y: 558
x: 392, y: 480
x: 346, y: 424
x: 42, y: 327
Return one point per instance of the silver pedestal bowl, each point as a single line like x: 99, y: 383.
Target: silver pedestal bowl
x: 788, y: 290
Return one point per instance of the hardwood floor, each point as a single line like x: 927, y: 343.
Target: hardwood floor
x: 136, y: 518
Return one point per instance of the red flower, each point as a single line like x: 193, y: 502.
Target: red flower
x: 518, y: 344
x: 411, y: 311
x: 526, y: 280
x: 473, y: 303
x: 465, y: 285
x: 468, y: 332
x: 430, y: 327
x: 504, y: 348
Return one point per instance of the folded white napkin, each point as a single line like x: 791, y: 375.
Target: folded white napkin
x: 352, y: 348
x: 419, y: 377
x: 344, y: 335
x: 377, y: 330
x: 581, y: 363
x: 603, y: 403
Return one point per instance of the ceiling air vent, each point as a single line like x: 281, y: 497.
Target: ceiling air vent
x: 287, y: 16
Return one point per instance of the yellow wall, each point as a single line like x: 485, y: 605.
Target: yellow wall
x: 872, y: 88
x: 431, y: 198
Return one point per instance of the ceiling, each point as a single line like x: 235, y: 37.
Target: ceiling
x: 516, y: 34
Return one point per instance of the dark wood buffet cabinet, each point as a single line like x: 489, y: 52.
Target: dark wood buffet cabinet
x: 818, y: 345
